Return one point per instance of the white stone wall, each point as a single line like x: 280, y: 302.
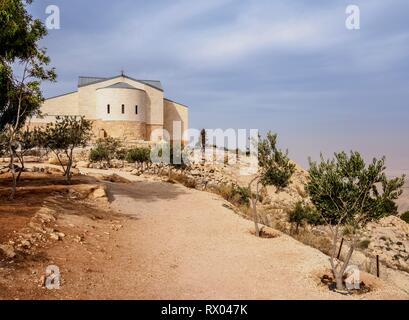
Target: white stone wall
x: 116, y: 97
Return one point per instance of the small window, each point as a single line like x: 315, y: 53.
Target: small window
x: 123, y: 109
x: 136, y: 109
x: 108, y: 109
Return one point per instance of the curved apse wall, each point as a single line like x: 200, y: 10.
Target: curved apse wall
x: 115, y: 98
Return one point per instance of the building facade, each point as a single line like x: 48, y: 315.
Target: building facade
x: 120, y: 107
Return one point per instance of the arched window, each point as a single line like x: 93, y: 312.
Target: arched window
x: 123, y: 109
x: 108, y: 109
x: 136, y: 109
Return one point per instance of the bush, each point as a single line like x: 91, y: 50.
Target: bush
x: 106, y: 149
x: 140, y: 155
x: 121, y: 154
x: 303, y: 213
x: 235, y: 194
x: 98, y: 154
x: 405, y: 217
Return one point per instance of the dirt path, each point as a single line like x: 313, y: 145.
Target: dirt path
x: 179, y: 243
x: 184, y: 244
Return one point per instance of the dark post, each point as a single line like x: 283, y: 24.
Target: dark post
x: 340, y: 248
x: 377, y: 266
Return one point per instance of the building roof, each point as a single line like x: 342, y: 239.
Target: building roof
x: 120, y: 85
x: 86, y: 81
x: 183, y: 105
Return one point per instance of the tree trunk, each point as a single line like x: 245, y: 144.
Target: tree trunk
x: 69, y: 165
x: 21, y: 159
x: 255, y: 216
x: 253, y: 202
x: 338, y: 269
x: 13, y: 172
x: 339, y: 281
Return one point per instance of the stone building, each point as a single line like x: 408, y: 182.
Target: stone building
x: 120, y: 107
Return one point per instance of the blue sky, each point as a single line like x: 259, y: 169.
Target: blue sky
x: 287, y: 66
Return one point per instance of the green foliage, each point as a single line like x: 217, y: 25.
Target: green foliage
x: 303, y: 213
x: 405, y: 216
x: 241, y: 195
x: 347, y: 192
x: 139, y: 155
x: 236, y: 195
x: 3, y: 143
x: 63, y: 136
x: 19, y: 31
x: 67, y: 133
x: 27, y: 140
x: 275, y: 166
x: 107, y: 149
x: 21, y: 97
x: 98, y: 154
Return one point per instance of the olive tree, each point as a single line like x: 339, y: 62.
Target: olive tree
x: 348, y: 194
x: 27, y: 140
x: 23, y: 66
x: 274, y: 168
x: 63, y: 136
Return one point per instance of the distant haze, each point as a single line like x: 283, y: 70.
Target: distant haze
x: 287, y: 66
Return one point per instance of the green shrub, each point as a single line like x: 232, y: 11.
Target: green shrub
x: 106, y: 149
x: 98, y: 154
x: 121, y: 154
x: 405, y: 217
x: 236, y: 195
x: 140, y: 155
x: 303, y: 213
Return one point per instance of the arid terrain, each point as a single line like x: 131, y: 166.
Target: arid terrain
x: 151, y: 239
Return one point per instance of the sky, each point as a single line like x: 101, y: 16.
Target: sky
x: 288, y: 66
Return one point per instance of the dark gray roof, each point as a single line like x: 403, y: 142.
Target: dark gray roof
x: 120, y: 85
x: 183, y: 105
x: 153, y: 83
x: 85, y: 81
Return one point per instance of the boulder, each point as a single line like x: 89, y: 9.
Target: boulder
x: 99, y: 193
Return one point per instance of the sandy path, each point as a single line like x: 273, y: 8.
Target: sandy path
x: 183, y: 244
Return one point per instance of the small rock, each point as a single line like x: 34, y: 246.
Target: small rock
x: 8, y: 251
x: 25, y: 244
x: 61, y: 235
x: 54, y: 236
